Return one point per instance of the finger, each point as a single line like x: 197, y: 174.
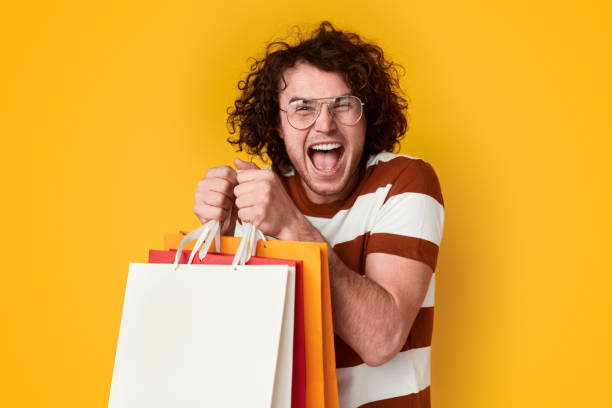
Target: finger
x: 223, y: 172
x: 258, y: 188
x: 214, y: 199
x: 244, y: 176
x: 247, y: 200
x: 250, y: 214
x: 207, y: 213
x: 218, y: 185
x: 244, y: 165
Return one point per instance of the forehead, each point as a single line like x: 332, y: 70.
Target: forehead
x: 307, y: 81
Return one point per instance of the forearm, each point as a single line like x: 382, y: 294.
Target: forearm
x: 365, y: 315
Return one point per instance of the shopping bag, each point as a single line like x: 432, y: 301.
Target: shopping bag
x: 321, y: 383
x: 298, y: 370
x: 182, y: 336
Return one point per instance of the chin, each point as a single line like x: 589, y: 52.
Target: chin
x: 327, y: 189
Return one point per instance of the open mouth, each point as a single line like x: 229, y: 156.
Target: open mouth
x: 326, y: 157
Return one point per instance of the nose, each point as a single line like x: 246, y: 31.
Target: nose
x: 325, y: 122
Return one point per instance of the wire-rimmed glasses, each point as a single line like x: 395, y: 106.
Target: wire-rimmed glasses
x: 302, y: 113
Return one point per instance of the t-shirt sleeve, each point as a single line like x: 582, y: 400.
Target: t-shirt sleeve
x: 411, y: 220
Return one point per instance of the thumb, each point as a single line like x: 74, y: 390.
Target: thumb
x: 244, y: 165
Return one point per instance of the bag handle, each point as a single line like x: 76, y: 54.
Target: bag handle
x: 211, y: 230
x: 205, y: 235
x: 248, y: 244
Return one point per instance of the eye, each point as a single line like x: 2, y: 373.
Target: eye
x: 343, y: 105
x: 303, y: 108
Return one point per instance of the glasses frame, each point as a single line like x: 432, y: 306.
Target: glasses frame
x: 329, y: 110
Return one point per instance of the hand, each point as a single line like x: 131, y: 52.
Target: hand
x: 262, y: 200
x: 214, y: 197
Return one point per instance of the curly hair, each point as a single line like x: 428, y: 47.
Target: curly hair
x: 371, y: 77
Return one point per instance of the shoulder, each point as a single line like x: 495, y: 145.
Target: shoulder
x: 404, y: 174
x: 399, y: 164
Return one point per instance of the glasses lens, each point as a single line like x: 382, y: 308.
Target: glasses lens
x: 301, y: 113
x: 347, y: 109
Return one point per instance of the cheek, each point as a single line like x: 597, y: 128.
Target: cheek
x: 294, y: 139
x: 283, y: 127
x: 359, y: 137
x: 292, y: 146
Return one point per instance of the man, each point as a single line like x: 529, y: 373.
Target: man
x: 326, y: 112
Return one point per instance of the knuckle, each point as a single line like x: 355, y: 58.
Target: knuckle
x: 217, y: 171
x: 225, y: 185
x: 239, y: 202
x: 200, y: 198
x: 204, y: 185
x: 212, y: 200
x: 220, y: 201
x: 268, y: 175
x: 225, y: 171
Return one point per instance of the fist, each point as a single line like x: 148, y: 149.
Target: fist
x: 262, y: 201
x: 214, y: 197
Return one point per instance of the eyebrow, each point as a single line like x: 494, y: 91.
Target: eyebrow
x: 299, y: 98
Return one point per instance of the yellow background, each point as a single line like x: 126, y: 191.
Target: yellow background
x: 111, y: 112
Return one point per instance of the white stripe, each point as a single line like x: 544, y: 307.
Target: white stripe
x: 407, y: 373
x: 385, y: 157
x: 348, y: 224
x: 412, y: 214
x: 429, y: 297
x: 409, y: 214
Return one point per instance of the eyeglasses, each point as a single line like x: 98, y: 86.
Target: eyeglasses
x: 302, y: 113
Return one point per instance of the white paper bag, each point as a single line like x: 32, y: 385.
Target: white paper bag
x: 205, y: 336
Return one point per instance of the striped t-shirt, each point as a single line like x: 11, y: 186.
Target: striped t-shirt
x: 397, y: 208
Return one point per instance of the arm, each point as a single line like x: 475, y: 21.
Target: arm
x: 373, y: 314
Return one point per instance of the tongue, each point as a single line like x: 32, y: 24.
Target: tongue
x: 325, y: 160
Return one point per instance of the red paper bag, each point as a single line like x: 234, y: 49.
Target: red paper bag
x: 298, y: 389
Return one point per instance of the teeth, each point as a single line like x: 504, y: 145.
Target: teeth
x: 326, y: 146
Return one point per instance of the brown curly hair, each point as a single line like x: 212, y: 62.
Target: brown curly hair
x: 371, y: 77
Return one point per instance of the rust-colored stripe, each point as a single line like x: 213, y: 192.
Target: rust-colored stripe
x: 421, y: 330
x: 408, y: 247
x: 419, y: 336
x: 418, y: 177
x: 421, y: 399
x: 353, y: 252
x: 345, y: 355
x: 403, y: 173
